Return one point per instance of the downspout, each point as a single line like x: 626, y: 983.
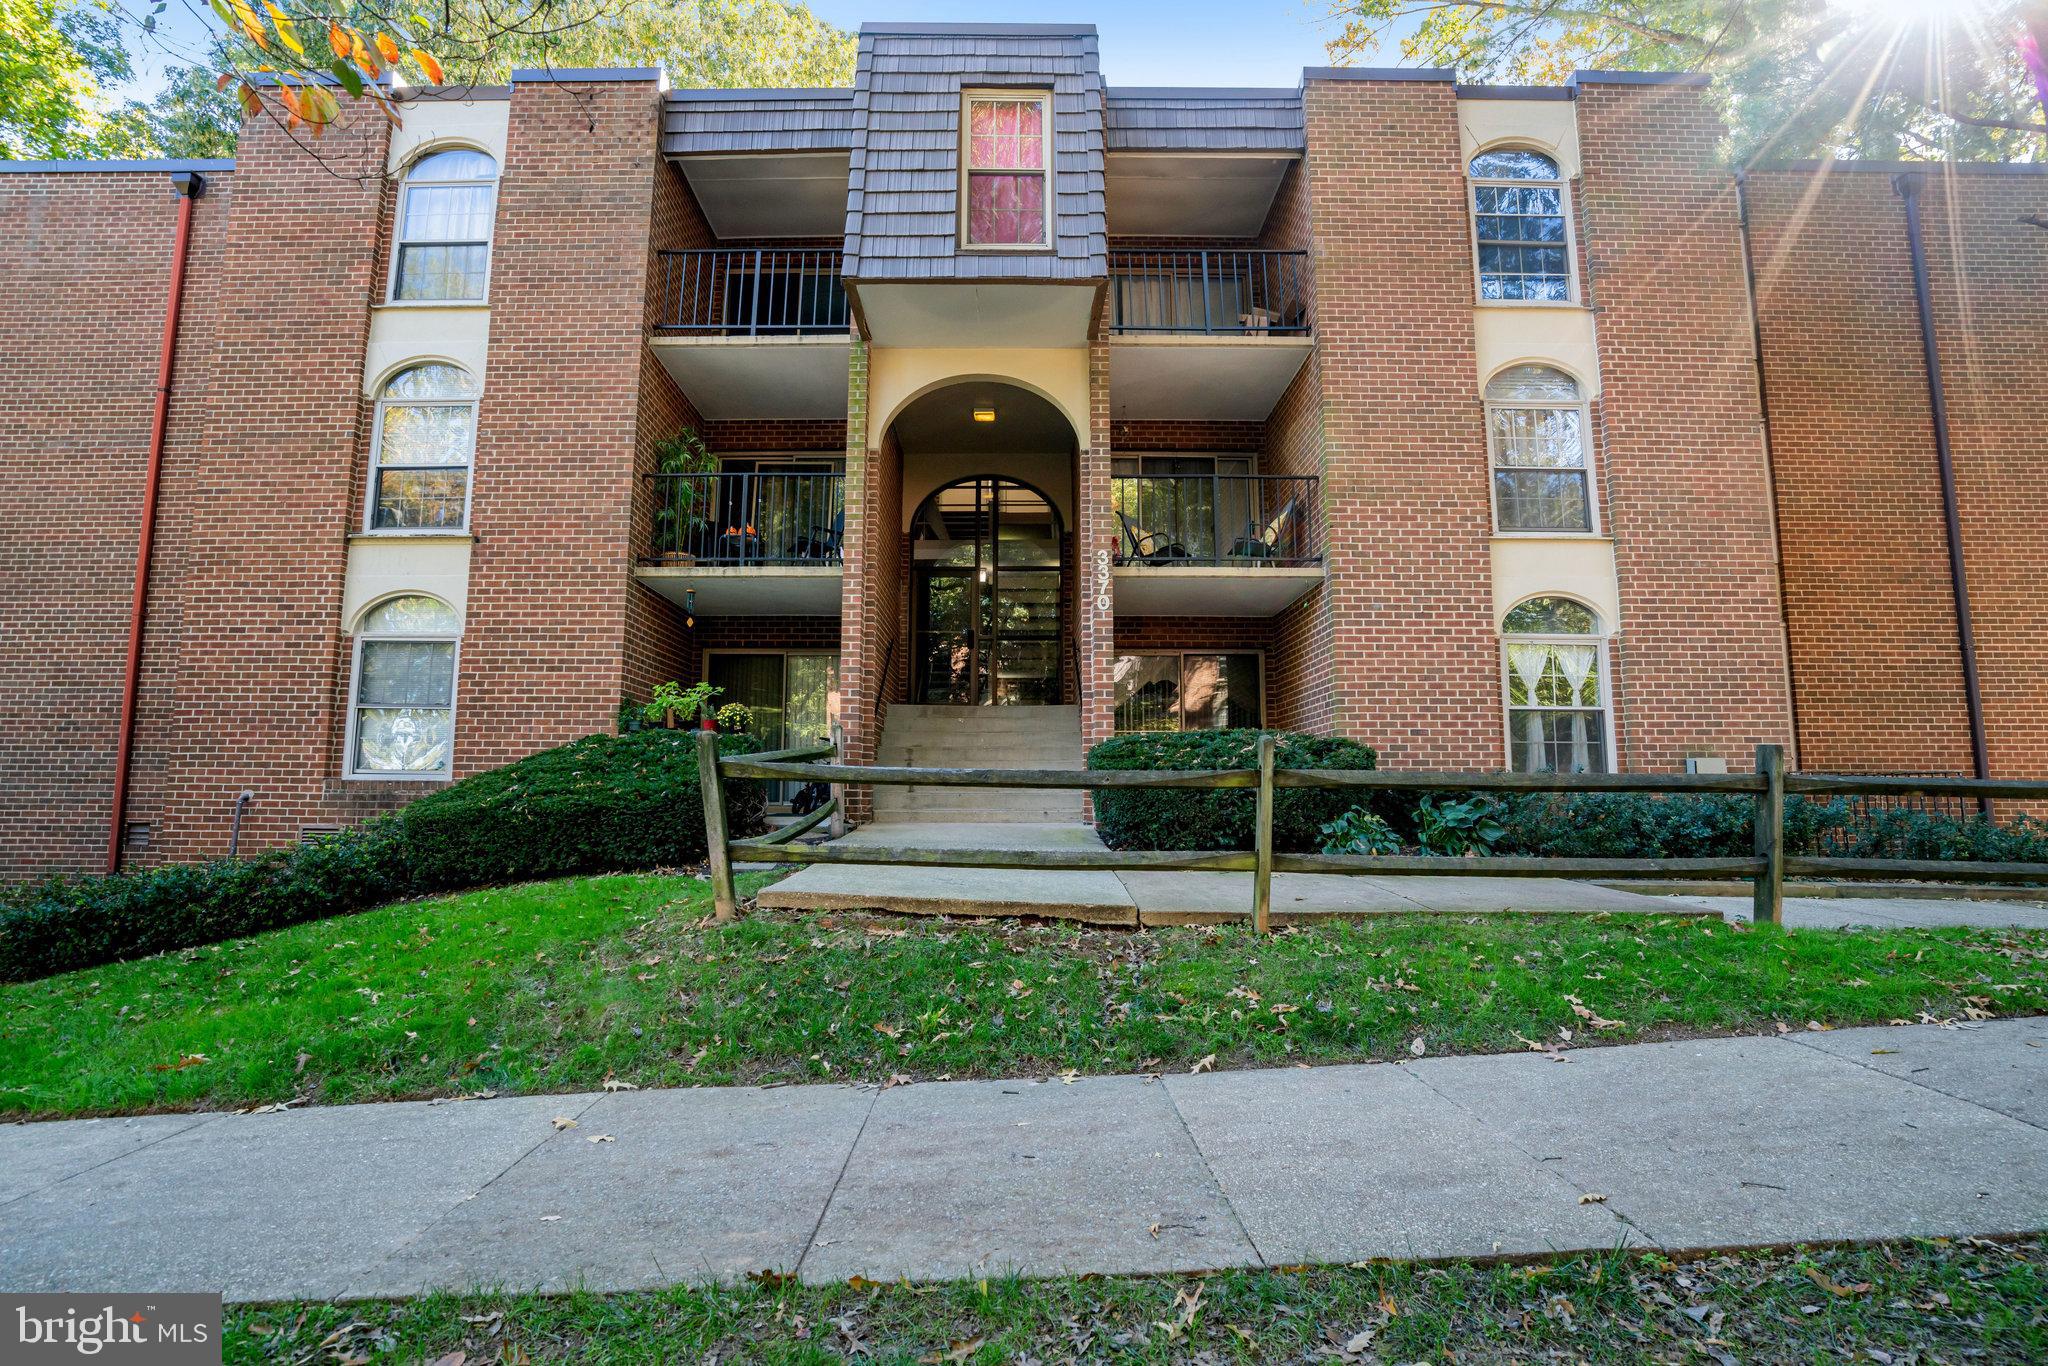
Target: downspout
x: 189, y: 185
x: 1763, y: 404
x: 1908, y: 187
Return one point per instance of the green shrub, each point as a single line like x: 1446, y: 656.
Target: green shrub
x: 76, y: 922
x: 608, y: 803
x: 1632, y: 825
x: 1359, y: 831
x: 1456, y: 826
x: 1169, y: 818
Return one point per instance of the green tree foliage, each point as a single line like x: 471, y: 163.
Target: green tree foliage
x: 1882, y: 79
x: 56, y: 56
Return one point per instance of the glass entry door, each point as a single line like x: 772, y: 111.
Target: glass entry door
x: 985, y: 598
x: 793, y: 697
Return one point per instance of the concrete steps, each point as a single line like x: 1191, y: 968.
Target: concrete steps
x: 918, y: 736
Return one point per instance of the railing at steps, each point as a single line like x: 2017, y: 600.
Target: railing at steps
x: 1765, y: 870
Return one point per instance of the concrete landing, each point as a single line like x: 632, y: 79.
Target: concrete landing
x: 1162, y: 898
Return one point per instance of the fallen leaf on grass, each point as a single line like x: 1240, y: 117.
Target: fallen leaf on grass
x: 896, y: 1079
x: 455, y: 1358
x: 1847, y: 1292
x: 1586, y: 1013
x: 1205, y: 1063
x: 1416, y: 1047
x: 959, y: 1350
x: 612, y: 1083
x: 189, y: 1060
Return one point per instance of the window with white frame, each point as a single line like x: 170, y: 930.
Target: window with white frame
x: 402, y: 702
x: 1518, y: 221
x: 1006, y: 169
x: 1187, y: 690
x: 1536, y: 430
x: 420, y: 450
x: 445, y: 210
x: 1555, y: 662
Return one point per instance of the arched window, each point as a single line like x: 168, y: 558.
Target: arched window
x: 402, y: 702
x: 1555, y: 666
x: 444, y: 227
x: 1536, y: 430
x: 420, y: 450
x: 1518, y: 220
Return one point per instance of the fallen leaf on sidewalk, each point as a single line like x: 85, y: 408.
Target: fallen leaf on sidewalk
x: 602, y: 1138
x: 896, y: 1079
x: 1205, y: 1063
x: 1070, y: 1076
x: 612, y: 1083
x: 1591, y: 1199
x: 563, y: 1122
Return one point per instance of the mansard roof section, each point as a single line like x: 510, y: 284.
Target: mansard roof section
x: 903, y: 192
x: 1173, y: 119
x: 730, y: 121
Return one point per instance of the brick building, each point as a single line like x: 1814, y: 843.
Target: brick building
x: 988, y: 409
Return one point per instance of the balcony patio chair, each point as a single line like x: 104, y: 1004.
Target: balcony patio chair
x: 823, y: 543
x: 1148, y: 547
x: 1266, y: 543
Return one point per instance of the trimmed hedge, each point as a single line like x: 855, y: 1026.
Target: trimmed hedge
x: 1169, y: 818
x: 1630, y: 825
x: 602, y: 804
x: 67, y: 923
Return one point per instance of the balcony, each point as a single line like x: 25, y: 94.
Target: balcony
x: 752, y: 544
x: 1215, y: 545
x: 1206, y: 334
x: 754, y: 332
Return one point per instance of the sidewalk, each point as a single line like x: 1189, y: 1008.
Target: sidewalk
x: 1106, y: 898
x: 1855, y: 1134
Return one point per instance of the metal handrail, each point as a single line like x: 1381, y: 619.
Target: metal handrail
x: 1235, y: 520
x: 747, y: 518
x: 752, y: 292
x: 1213, y: 292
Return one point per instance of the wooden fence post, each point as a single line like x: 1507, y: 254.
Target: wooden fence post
x: 838, y: 789
x: 1769, y: 903
x: 724, y: 900
x: 1262, y: 870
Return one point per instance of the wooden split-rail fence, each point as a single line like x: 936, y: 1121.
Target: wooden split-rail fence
x: 1766, y: 868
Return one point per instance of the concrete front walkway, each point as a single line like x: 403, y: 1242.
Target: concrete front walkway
x: 1861, y: 1133
x: 1212, y: 898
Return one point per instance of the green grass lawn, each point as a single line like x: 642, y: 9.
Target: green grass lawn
x: 557, y: 986
x: 1924, y: 1301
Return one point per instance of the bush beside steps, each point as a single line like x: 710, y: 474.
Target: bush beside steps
x: 602, y: 804
x: 1219, y: 818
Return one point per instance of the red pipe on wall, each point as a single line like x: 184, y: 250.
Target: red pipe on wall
x: 189, y: 185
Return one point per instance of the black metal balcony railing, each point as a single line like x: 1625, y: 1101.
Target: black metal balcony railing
x: 1222, y: 293
x: 748, y: 519
x: 1237, y: 520
x: 752, y: 292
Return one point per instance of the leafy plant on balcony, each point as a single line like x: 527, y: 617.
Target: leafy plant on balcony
x: 677, y: 519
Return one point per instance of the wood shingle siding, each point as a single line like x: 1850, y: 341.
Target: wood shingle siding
x: 1160, y: 119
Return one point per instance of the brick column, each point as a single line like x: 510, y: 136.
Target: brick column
x: 1094, y: 544
x: 870, y: 593
x: 1414, y: 663
x: 1700, y: 659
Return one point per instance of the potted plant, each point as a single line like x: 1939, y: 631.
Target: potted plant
x: 679, y: 520
x: 735, y: 718
x: 672, y: 702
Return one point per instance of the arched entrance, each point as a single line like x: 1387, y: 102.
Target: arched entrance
x: 985, y: 595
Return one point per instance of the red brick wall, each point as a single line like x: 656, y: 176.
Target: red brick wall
x: 87, y: 259
x: 1869, y: 600
x: 1414, y: 663
x: 1701, y: 656
x: 736, y: 436
x: 871, y: 616
x: 563, y: 428
x: 262, y: 671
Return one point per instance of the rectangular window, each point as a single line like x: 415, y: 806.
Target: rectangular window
x: 405, y: 707
x: 1539, y: 469
x: 1557, y: 715
x: 1005, y: 167
x: 1188, y: 691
